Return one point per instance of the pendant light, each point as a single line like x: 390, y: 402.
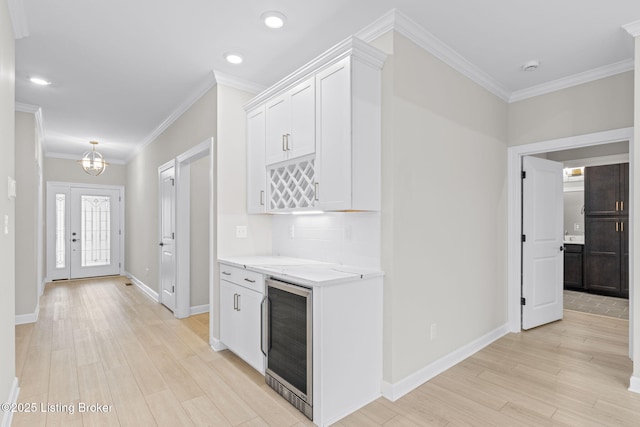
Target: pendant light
x: 92, y: 162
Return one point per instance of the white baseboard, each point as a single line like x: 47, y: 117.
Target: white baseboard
x: 7, y: 417
x: 144, y: 288
x: 21, y: 319
x: 199, y: 309
x: 217, y: 345
x: 634, y: 384
x: 395, y: 391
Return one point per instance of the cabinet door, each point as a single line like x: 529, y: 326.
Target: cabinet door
x: 301, y: 139
x: 256, y: 170
x: 228, y: 314
x: 602, y: 190
x: 248, y: 347
x: 624, y: 261
x: 573, y: 267
x: 603, y: 257
x: 333, y: 100
x: 278, y: 115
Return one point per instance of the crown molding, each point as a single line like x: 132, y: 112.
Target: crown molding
x: 633, y: 28
x: 574, y: 80
x: 200, y: 91
x: 401, y: 23
x: 75, y: 158
x: 26, y: 108
x: 351, y: 46
x: 18, y: 18
x: 237, y: 82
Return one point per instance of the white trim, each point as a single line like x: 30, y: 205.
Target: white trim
x: 634, y: 384
x: 75, y: 157
x: 198, y: 309
x: 350, y: 46
x: 198, y: 93
x: 217, y: 345
x: 633, y: 28
x: 144, y: 288
x: 237, y: 82
x: 514, y: 208
x: 12, y: 398
x: 22, y: 319
x: 18, y: 18
x: 396, y: 390
x: 574, y: 80
x: 43, y: 284
x: 183, y: 226
x: 402, y: 24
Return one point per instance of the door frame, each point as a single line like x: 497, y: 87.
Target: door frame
x: 48, y: 218
x: 514, y: 207
x: 183, y: 240
x: 170, y: 164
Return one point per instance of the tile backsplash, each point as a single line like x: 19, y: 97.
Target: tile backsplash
x: 351, y: 238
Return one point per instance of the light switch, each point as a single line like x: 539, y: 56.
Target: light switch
x: 241, y: 231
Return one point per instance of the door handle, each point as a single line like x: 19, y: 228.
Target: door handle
x: 249, y: 280
x: 316, y: 188
x: 261, y: 197
x: 263, y: 323
x: 235, y: 302
x: 617, y: 226
x: 621, y: 226
x: 622, y: 205
x: 617, y: 205
x: 561, y: 248
x: 287, y: 139
x: 284, y: 147
x: 239, y: 301
x: 159, y: 244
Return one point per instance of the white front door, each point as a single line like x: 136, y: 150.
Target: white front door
x: 83, y: 231
x: 167, y: 237
x: 542, y: 247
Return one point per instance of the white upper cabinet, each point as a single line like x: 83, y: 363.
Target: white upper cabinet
x: 323, y: 133
x: 291, y: 124
x: 256, y: 166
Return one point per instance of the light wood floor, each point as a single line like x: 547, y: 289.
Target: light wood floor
x: 99, y: 341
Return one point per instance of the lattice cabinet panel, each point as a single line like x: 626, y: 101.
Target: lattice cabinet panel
x: 292, y: 186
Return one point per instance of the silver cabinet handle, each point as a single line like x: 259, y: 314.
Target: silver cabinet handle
x: 261, y: 197
x: 239, y: 299
x: 284, y: 146
x: 249, y: 280
x: 316, y: 188
x: 226, y: 273
x: 264, y: 325
x: 287, y: 139
x: 235, y: 301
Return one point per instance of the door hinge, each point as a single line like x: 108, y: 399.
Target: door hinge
x: 120, y: 232
x: 119, y: 198
x: 523, y: 301
x: 173, y: 236
x: 173, y: 289
x: 524, y: 238
x: 523, y: 174
x: 173, y: 182
x: 119, y: 265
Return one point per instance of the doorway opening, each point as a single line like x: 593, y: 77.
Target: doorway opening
x: 85, y: 230
x: 516, y: 154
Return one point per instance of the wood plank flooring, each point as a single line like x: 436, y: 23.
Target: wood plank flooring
x: 100, y: 342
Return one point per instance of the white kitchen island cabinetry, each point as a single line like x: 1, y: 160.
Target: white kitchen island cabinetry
x: 347, y: 329
x: 241, y: 293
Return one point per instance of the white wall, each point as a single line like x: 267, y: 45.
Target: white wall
x: 350, y: 238
x: 7, y: 207
x: 443, y: 209
x: 635, y: 177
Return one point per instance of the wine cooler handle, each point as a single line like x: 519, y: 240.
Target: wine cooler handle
x: 264, y: 330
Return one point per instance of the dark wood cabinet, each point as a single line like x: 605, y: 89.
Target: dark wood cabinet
x: 606, y: 251
x: 573, y: 267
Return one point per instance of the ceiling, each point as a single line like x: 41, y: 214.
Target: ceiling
x: 120, y: 68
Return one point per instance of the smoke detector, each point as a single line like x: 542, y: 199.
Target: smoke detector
x: 531, y: 65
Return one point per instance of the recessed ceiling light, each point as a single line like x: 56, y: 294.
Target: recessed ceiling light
x: 531, y: 65
x: 233, y: 58
x: 39, y: 81
x: 273, y: 19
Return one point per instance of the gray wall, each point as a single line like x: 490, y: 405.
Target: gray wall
x: 28, y: 202
x: 199, y: 223
x: 444, y: 210
x: 573, y: 204
x: 7, y: 207
x: 65, y: 170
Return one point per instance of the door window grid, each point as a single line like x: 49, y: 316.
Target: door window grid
x: 60, y: 230
x: 95, y: 231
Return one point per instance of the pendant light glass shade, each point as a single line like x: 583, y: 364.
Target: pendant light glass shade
x: 92, y: 162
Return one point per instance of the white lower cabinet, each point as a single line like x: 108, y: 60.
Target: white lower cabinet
x: 240, y: 326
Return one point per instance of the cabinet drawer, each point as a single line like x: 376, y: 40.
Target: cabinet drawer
x: 242, y: 277
x: 573, y: 248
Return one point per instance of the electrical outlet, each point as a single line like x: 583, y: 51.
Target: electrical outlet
x: 241, y: 231
x: 577, y: 227
x: 434, y: 331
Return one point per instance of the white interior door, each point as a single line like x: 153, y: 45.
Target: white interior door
x: 83, y: 231
x: 542, y: 247
x: 167, y: 237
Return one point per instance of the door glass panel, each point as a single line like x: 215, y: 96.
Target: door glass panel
x: 60, y: 230
x: 95, y: 230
